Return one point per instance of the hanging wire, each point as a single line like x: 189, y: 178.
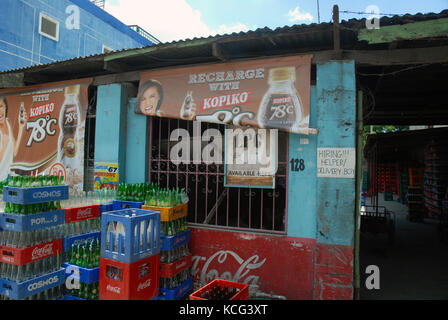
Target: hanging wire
x: 371, y: 13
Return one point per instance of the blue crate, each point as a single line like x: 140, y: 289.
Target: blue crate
x: 79, y: 238
x: 106, y: 207
x: 70, y: 297
x: 121, y: 204
x: 16, y: 222
x: 125, y: 246
x: 173, y: 242
x: 83, y: 275
x: 176, y: 293
x: 22, y: 290
x: 34, y: 195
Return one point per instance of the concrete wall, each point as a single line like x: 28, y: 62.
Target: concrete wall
x: 315, y: 259
x: 21, y: 45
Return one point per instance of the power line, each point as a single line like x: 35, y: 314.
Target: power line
x: 379, y: 13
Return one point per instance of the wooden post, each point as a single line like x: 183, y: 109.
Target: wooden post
x: 336, y: 35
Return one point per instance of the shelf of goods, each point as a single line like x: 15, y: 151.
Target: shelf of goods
x: 435, y: 178
x: 415, y: 203
x: 31, y: 242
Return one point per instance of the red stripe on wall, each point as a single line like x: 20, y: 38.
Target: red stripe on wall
x: 333, y: 272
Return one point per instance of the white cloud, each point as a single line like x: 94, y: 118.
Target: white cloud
x: 167, y: 20
x: 295, y: 15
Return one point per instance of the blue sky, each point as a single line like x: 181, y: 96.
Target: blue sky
x: 172, y: 20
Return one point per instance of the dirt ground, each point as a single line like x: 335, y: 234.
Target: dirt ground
x: 414, y: 267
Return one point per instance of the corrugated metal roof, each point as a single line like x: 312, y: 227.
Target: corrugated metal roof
x: 297, y: 37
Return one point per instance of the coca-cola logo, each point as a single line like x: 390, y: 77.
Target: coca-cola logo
x: 180, y: 265
x: 242, y: 275
x: 84, y: 213
x: 144, y: 285
x: 41, y: 252
x: 113, y: 289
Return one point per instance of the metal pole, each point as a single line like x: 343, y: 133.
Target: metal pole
x: 359, y: 127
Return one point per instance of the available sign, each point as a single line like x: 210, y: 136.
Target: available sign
x: 336, y: 162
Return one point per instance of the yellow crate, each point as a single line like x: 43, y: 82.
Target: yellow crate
x: 170, y: 213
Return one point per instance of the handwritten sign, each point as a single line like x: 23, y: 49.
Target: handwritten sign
x: 336, y: 162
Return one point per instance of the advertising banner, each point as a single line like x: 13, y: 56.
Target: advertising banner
x: 42, y: 130
x: 263, y: 93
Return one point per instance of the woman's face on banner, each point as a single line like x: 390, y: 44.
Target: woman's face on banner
x: 2, y: 111
x: 149, y: 101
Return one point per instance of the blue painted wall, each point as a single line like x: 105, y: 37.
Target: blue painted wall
x: 21, y: 45
x: 323, y: 208
x: 302, y: 184
x: 136, y: 146
x: 111, y: 127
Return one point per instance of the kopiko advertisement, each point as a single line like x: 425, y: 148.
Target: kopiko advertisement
x: 42, y: 130
x: 264, y: 93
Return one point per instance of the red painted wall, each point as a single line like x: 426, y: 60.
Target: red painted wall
x: 296, y: 268
x: 333, y: 272
x: 278, y: 264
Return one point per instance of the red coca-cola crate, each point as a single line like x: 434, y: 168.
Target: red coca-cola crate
x: 169, y: 270
x: 82, y: 213
x: 129, y: 281
x: 30, y: 254
x: 242, y: 294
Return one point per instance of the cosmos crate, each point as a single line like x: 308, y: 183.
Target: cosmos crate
x: 34, y: 195
x: 22, y: 290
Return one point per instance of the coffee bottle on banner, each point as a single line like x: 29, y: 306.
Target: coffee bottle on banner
x: 69, y: 119
x: 280, y: 107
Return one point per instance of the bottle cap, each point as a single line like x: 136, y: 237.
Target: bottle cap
x: 282, y: 74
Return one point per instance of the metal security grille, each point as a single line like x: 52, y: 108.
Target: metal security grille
x: 89, y: 141
x: 212, y: 204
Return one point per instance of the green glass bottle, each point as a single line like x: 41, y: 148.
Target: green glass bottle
x: 73, y: 255
x: 78, y: 260
x: 85, y: 256
x: 91, y: 257
x: 97, y: 253
x: 81, y: 290
x: 8, y: 207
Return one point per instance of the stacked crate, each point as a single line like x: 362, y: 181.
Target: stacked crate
x: 83, y: 233
x: 435, y: 178
x: 388, y: 177
x: 130, y: 259
x: 175, y: 257
x: 31, y: 248
x: 404, y: 184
